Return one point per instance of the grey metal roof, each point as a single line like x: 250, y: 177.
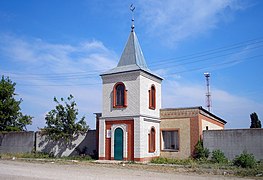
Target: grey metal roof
x: 132, y: 58
x: 132, y: 53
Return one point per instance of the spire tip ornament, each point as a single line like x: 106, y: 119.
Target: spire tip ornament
x: 132, y: 8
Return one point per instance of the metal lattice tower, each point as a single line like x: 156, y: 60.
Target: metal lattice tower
x: 208, y: 94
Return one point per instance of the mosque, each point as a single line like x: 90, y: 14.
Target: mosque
x: 132, y: 125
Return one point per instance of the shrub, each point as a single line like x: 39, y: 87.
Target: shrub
x: 201, y: 152
x: 218, y: 157
x: 245, y: 160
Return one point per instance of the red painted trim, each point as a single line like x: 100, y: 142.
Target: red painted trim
x: 101, y: 158
x: 114, y: 96
x: 152, y: 97
x: 130, y: 138
x: 152, y: 140
x: 145, y: 159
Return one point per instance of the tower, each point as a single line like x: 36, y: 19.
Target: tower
x: 208, y: 94
x: 129, y: 127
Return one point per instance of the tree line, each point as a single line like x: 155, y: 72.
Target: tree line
x: 61, y: 122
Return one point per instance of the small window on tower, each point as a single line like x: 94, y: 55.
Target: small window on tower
x: 151, y: 139
x: 119, y: 95
x: 152, y: 97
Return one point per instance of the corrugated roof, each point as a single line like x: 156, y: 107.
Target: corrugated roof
x: 132, y: 58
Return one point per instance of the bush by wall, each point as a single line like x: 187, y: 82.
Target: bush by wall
x: 201, y: 152
x: 218, y: 157
x: 245, y: 160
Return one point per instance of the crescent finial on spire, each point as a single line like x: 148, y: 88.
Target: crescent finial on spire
x: 132, y: 8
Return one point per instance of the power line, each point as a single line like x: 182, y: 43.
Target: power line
x: 157, y: 64
x: 214, y: 57
x: 187, y: 59
x: 169, y: 74
x: 212, y: 51
x: 213, y: 65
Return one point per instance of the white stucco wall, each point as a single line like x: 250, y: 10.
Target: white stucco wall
x: 137, y: 85
x: 131, y: 82
x: 146, y: 82
x: 211, y: 126
x: 142, y: 127
x: 101, y: 138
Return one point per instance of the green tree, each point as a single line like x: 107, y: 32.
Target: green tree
x: 62, y: 122
x: 11, y: 119
x: 255, y: 122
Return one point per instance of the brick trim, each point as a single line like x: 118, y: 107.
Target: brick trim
x: 194, y: 133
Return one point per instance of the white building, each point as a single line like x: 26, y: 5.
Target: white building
x: 129, y: 128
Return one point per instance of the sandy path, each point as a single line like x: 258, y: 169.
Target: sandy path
x: 27, y: 170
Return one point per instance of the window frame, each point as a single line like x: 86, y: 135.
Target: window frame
x: 176, y: 143
x: 115, y: 105
x: 152, y: 97
x: 152, y: 140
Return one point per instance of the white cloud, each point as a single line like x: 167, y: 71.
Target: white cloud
x: 41, y: 70
x: 45, y: 63
x: 234, y: 109
x: 180, y: 19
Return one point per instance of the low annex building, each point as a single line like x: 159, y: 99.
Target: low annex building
x: 181, y: 128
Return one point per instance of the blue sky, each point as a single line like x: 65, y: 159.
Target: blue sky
x: 56, y: 48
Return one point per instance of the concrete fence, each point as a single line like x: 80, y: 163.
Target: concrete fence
x: 17, y: 142
x: 80, y: 144
x: 234, y: 141
x: 24, y: 142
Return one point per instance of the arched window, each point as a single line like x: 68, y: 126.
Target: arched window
x: 152, y: 140
x: 119, y: 95
x: 152, y: 97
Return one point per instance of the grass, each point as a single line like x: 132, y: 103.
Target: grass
x: 204, y: 165
x: 39, y: 155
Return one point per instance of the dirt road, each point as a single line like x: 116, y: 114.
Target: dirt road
x: 48, y: 170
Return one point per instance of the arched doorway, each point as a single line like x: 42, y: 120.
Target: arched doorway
x: 118, y: 144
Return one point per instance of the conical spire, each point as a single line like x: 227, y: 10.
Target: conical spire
x: 132, y: 58
x: 132, y: 54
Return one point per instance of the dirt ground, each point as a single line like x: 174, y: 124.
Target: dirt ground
x: 22, y: 170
